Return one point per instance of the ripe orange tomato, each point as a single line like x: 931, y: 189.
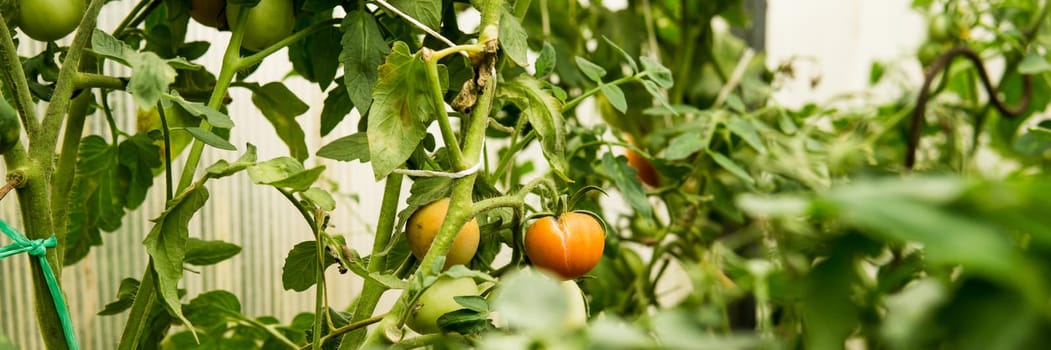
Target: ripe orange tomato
x: 423, y: 226
x: 569, y: 246
x: 643, y: 169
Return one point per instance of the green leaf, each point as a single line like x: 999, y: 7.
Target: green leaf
x: 627, y: 58
x: 829, y: 316
x: 519, y: 295
x: 298, y: 273
x: 150, y: 77
x: 472, y: 302
x: 624, y: 177
x: 388, y: 281
x: 222, y: 168
x: 139, y: 155
x: 655, y: 91
x: 731, y: 166
x: 743, y: 128
x: 285, y: 172
x: 316, y: 57
x: 347, y: 148
x: 615, y: 96
x: 428, y: 12
x: 402, y: 108
x: 95, y: 156
x: 464, y: 321
x: 513, y: 39
x: 876, y: 72
x: 106, y: 45
x: 320, y: 198
x: 460, y: 271
x: 166, y: 244
x: 1036, y: 142
x: 210, y: 138
x: 337, y: 107
x: 545, y: 63
x: 125, y: 297
x: 1034, y: 63
x: 684, y: 145
x: 215, y: 118
x: 213, y: 308
x: 657, y: 72
x: 363, y: 51
x: 200, y: 252
x: 909, y: 211
x: 590, y: 69
x: 281, y: 107
x: 545, y: 115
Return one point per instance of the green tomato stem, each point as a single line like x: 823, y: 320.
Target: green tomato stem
x: 372, y: 290
x: 448, y: 135
x: 232, y: 62
x: 258, y: 57
x: 319, y: 277
x: 353, y: 326
x: 138, y: 319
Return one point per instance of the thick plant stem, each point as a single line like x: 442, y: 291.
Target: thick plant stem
x: 66, y: 168
x: 15, y: 79
x: 37, y: 163
x: 32, y: 197
x: 461, y: 207
x: 145, y: 299
x: 372, y: 290
x: 319, y: 277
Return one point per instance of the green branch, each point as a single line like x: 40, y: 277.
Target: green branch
x: 56, y: 110
x: 372, y: 290
x: 15, y: 79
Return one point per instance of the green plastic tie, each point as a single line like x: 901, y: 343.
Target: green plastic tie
x: 38, y: 248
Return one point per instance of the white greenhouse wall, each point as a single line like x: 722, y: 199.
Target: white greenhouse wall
x: 265, y: 225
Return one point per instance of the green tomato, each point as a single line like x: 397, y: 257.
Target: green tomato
x: 50, y: 20
x: 268, y: 22
x: 437, y: 300
x: 941, y: 28
x: 10, y: 127
x: 928, y: 53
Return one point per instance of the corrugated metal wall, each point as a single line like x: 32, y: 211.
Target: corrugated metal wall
x: 255, y: 217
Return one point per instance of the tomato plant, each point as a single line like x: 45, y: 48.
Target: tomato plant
x: 725, y: 219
